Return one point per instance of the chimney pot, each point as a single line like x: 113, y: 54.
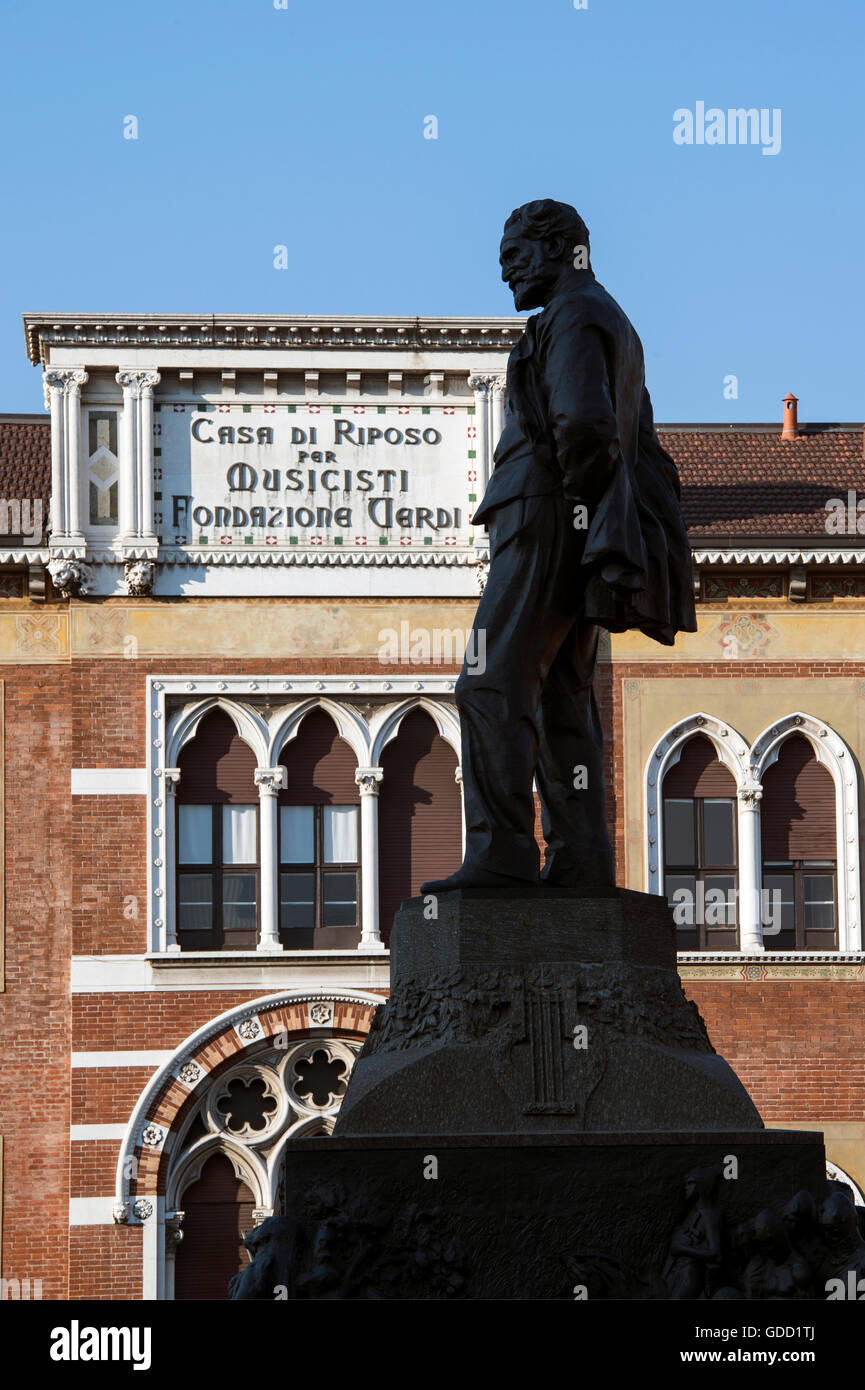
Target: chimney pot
x: 790, y: 428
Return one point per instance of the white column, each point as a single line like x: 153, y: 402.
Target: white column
x: 147, y: 381
x: 458, y: 778
x: 481, y: 387
x: 74, y: 381
x: 368, y: 779
x: 750, y: 869
x: 498, y: 422
x: 127, y: 509
x: 170, y: 779
x: 54, y: 389
x: 173, y: 1236
x: 269, y: 780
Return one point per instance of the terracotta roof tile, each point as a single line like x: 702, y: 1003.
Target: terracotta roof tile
x: 25, y: 458
x: 746, y: 483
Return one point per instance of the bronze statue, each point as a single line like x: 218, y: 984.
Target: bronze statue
x: 845, y: 1247
x: 696, y: 1244
x: 585, y: 532
x: 801, y: 1221
x: 775, y: 1271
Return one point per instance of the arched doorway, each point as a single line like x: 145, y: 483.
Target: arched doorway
x: 218, y: 1210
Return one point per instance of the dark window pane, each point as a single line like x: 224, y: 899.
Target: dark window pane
x: 819, y: 901
x: 719, y: 902
x: 340, y: 900
x: 296, y: 901
x: 238, y: 902
x: 681, y: 895
x: 779, y: 907
x: 679, y: 832
x: 718, y: 841
x: 195, y: 902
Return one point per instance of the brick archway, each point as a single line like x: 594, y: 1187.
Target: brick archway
x: 237, y: 1035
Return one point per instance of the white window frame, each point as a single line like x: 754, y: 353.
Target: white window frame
x: 748, y: 764
x: 238, y: 696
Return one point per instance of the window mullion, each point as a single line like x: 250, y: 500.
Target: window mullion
x: 218, y: 934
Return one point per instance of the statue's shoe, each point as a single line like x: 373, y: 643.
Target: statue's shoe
x: 481, y: 881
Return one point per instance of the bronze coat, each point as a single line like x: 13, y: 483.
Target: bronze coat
x: 577, y: 396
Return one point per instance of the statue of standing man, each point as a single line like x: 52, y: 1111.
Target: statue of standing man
x: 585, y: 531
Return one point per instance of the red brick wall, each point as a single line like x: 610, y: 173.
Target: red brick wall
x: 105, y: 1262
x: 34, y: 1009
x: 798, y: 1046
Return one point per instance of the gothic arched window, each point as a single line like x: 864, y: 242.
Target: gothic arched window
x: 700, y: 858
x: 799, y: 851
x: 319, y: 839
x: 217, y: 840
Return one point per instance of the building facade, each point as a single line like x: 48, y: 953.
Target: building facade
x: 236, y: 583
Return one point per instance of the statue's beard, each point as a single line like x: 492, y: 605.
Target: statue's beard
x: 529, y: 294
x: 534, y: 290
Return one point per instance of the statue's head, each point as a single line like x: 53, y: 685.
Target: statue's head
x: 838, y: 1219
x: 702, y: 1183
x: 543, y: 245
x: 800, y: 1213
x: 770, y: 1237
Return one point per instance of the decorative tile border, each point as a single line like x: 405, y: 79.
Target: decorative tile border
x: 773, y: 966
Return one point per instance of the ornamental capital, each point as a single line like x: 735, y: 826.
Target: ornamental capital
x: 367, y: 779
x: 137, y: 382
x: 751, y: 790
x: 269, y: 780
x: 67, y: 380
x: 173, y: 1225
x: 481, y: 382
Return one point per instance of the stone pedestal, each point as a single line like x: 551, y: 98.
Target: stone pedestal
x: 539, y: 1016
x: 529, y: 1217
x: 537, y: 1108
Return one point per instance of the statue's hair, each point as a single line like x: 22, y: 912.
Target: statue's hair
x: 547, y: 218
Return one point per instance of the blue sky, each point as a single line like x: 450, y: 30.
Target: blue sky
x: 303, y: 126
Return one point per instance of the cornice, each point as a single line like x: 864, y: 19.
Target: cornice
x: 277, y: 331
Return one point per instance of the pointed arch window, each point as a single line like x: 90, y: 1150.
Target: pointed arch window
x: 799, y: 844
x: 319, y: 840
x: 700, y: 849
x: 217, y: 839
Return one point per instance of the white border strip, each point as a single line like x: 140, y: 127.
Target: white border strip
x: 109, y: 781
x: 91, y: 1211
x: 120, y: 1059
x: 80, y: 1133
